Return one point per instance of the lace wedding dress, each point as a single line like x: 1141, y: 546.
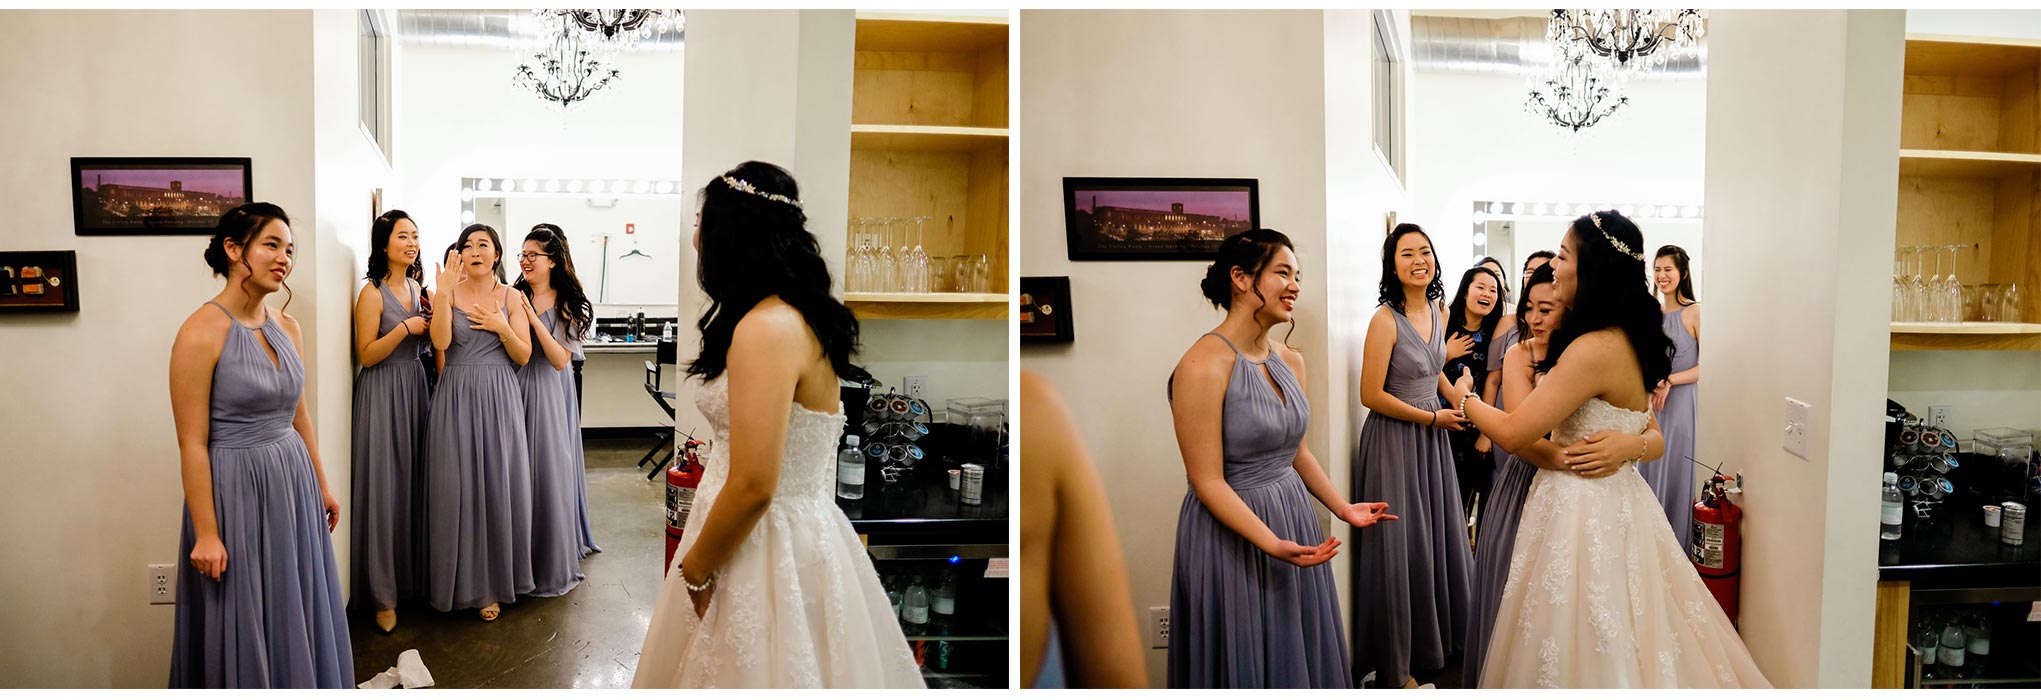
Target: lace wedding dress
x: 1600, y: 594
x: 799, y: 605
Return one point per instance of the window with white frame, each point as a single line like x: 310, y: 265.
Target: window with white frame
x: 1388, y: 99
x: 372, y: 59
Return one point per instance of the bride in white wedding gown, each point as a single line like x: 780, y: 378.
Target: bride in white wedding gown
x: 1600, y: 593
x: 771, y: 587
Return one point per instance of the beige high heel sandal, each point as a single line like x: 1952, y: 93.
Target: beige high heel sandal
x: 386, y: 620
x: 489, y: 613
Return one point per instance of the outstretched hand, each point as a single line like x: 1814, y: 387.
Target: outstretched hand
x: 1366, y: 514
x: 1301, y: 555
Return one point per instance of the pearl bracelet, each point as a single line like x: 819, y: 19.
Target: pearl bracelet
x: 692, y: 588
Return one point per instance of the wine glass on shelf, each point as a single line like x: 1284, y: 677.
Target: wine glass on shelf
x: 1936, y: 310
x: 1901, y: 306
x: 2009, y: 303
x: 903, y: 275
x: 1917, y: 288
x: 854, y: 266
x: 885, y: 279
x: 1952, y: 290
x: 921, y: 271
x: 981, y: 274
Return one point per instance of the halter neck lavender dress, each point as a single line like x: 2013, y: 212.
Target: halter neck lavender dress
x: 275, y: 618
x: 390, y: 403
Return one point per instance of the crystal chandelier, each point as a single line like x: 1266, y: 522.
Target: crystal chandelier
x: 1574, y: 96
x: 623, y: 28
x: 564, y: 68
x: 1629, y: 41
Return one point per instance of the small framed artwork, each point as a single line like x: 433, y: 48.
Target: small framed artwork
x: 156, y: 196
x: 1045, y: 310
x: 1153, y: 218
x: 38, y: 281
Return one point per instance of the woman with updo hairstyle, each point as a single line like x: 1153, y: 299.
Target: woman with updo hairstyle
x: 1250, y: 605
x: 1411, y: 581
x: 259, y: 606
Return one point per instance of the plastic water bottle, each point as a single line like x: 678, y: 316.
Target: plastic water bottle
x: 914, y: 607
x: 1953, y: 648
x: 1894, y: 509
x: 893, y: 594
x: 850, y: 470
x: 945, y: 603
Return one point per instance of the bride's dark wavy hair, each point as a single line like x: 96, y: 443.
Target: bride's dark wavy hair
x: 1606, y: 295
x: 753, y: 248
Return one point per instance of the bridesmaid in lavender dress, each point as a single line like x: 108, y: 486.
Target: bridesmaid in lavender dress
x: 260, y: 605
x: 390, y: 399
x: 1411, y: 581
x: 1252, y: 607
x: 1675, y: 399
x: 478, y: 492
x: 551, y: 418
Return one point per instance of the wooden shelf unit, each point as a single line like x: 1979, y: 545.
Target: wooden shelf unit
x: 1970, y: 165
x: 1966, y: 336
x: 929, y: 138
x: 927, y: 306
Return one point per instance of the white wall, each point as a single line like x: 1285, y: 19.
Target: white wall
x: 2010, y: 24
x: 1478, y: 143
x: 1982, y: 389
x: 1089, y: 94
x: 94, y: 492
x: 1800, y: 255
x: 663, y: 225
x: 769, y: 85
x: 458, y: 115
x: 349, y: 166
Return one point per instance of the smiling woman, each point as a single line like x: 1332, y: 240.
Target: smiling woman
x: 389, y: 418
x: 1471, y: 324
x: 260, y: 605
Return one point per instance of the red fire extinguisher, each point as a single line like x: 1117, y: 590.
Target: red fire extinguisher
x: 1717, y: 547
x: 681, y: 482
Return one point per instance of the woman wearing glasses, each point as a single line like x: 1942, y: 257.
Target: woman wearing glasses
x: 560, y: 535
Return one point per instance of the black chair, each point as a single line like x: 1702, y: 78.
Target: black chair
x: 654, y: 371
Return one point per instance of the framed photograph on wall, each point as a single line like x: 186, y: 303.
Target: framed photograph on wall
x: 1155, y: 218
x: 156, y: 196
x: 38, y: 281
x: 1045, y: 310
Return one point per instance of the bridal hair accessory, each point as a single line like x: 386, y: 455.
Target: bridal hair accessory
x: 1620, y: 247
x: 747, y: 188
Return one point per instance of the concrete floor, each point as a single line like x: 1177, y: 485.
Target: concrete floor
x: 588, y: 638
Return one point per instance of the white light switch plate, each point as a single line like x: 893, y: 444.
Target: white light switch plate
x: 1158, y: 628
x: 1799, y: 416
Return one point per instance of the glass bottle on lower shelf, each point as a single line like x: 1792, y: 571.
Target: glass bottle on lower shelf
x: 943, y: 606
x: 892, y: 585
x: 914, y: 608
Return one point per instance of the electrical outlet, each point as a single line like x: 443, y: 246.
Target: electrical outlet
x: 917, y: 387
x: 1799, y: 419
x: 1940, y: 414
x: 162, y: 584
x: 1158, y: 627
